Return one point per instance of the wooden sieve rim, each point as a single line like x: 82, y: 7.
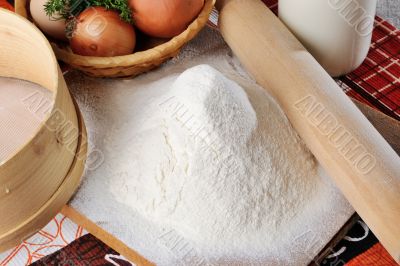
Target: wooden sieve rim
x: 70, y: 183
x: 8, y: 70
x: 29, y: 179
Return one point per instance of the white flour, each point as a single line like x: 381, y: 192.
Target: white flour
x: 242, y: 218
x: 224, y: 171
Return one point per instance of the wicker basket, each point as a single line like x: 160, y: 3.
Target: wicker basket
x: 41, y: 176
x: 128, y: 65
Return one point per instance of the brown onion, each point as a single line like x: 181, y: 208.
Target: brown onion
x: 164, y: 18
x: 101, y: 32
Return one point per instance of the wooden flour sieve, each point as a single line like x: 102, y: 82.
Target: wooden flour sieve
x: 363, y: 165
x: 44, y: 173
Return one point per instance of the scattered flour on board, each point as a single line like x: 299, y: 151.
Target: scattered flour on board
x: 121, y: 118
x: 222, y: 168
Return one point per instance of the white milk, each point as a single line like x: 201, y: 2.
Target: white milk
x: 23, y: 107
x: 336, y: 32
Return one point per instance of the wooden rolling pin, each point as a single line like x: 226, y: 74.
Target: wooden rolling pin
x: 362, y: 163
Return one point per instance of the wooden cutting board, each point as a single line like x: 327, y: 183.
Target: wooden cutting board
x: 387, y: 126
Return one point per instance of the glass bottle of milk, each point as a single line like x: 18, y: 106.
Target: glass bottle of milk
x: 336, y: 32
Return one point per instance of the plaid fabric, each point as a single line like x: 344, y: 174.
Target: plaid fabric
x: 377, y: 80
x: 87, y: 250
x: 375, y: 256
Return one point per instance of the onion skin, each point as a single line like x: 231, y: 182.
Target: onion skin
x: 101, y: 32
x: 164, y: 18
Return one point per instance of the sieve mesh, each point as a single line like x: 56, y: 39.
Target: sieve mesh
x: 23, y: 107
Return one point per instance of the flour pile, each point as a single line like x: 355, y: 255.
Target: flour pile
x: 220, y: 165
x: 232, y: 185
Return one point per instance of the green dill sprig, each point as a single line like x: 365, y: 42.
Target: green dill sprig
x: 119, y: 5
x: 66, y: 9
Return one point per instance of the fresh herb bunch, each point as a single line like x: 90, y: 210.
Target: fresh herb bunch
x: 67, y: 9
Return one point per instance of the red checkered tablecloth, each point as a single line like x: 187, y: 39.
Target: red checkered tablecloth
x: 377, y: 80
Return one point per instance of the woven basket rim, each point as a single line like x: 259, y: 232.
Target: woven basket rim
x: 141, y: 57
